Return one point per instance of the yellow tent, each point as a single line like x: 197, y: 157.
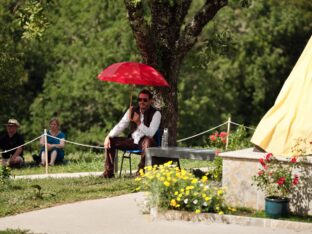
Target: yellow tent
x: 291, y: 116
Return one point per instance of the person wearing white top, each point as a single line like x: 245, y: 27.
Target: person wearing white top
x: 144, y: 121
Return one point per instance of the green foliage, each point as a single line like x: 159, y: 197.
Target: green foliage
x: 32, y: 19
x: 240, y: 63
x: 5, y: 174
x: 239, y: 139
x: 215, y: 169
x: 87, y: 107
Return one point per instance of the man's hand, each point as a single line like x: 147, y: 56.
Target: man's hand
x: 136, y: 118
x: 107, y: 143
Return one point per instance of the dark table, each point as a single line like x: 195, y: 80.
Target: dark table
x: 178, y: 153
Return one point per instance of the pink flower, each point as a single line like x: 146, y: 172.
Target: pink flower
x: 222, y: 134
x: 268, y: 156
x: 281, y: 181
x: 260, y: 172
x: 296, y: 180
x: 293, y: 160
x: 212, y: 137
x: 261, y: 160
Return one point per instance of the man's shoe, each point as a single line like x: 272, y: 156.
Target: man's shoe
x: 107, y: 175
x: 36, y: 158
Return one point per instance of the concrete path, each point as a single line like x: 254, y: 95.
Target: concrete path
x: 120, y: 214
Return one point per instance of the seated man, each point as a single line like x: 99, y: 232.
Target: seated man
x: 10, y: 140
x: 144, y: 122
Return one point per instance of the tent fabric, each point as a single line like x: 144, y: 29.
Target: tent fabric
x: 290, y: 118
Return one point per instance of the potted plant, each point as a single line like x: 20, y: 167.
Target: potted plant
x: 276, y: 179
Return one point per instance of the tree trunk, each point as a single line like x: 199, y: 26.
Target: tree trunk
x: 165, y: 40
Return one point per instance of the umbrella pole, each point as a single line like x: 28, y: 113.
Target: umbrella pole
x: 130, y: 110
x: 131, y: 95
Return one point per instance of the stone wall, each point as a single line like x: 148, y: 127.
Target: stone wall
x: 238, y: 169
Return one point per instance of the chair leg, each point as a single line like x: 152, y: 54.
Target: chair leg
x: 130, y: 164
x: 122, y: 159
x: 179, y: 164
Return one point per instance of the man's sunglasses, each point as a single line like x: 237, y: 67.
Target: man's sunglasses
x: 142, y: 99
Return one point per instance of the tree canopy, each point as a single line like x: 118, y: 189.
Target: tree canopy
x: 236, y: 68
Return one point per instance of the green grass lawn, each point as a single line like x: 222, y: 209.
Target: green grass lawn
x: 261, y: 214
x: 18, y: 196
x: 90, y: 162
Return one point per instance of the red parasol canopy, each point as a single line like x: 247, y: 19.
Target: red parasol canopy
x: 133, y: 73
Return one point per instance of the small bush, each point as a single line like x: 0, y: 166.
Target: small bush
x: 5, y: 174
x: 172, y: 188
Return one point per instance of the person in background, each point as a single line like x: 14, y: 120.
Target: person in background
x: 12, y: 139
x: 144, y: 121
x: 55, y: 146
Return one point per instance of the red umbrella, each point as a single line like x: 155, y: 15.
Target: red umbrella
x: 133, y: 73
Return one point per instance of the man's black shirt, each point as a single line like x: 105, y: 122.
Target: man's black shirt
x: 7, y: 143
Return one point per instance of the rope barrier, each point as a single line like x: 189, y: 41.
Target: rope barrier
x: 213, y: 129
x: 76, y: 143
x: 101, y: 147
x: 20, y: 145
x: 242, y: 125
x: 202, y: 132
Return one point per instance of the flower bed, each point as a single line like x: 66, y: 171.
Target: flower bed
x: 171, y: 188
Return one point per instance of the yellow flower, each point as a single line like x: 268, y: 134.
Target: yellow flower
x: 176, y: 193
x: 220, y: 192
x: 207, y: 198
x: 166, y: 183
x: 148, y: 168
x: 173, y: 202
x: 168, y: 163
x: 138, y: 179
x: 221, y: 213
x: 197, y: 211
x: 204, y: 179
x: 194, y: 181
x: 138, y: 188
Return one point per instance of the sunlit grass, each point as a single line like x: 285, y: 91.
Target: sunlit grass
x: 17, y: 196
x: 91, y: 162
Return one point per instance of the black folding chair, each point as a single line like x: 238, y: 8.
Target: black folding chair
x: 127, y: 153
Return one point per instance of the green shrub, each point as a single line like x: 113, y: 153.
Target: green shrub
x: 5, y: 174
x: 172, y: 188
